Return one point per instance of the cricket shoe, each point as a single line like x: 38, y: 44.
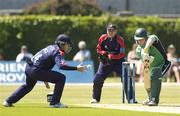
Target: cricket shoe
x: 132, y: 101
x: 94, y: 101
x: 145, y: 102
x: 59, y: 105
x: 6, y: 104
x: 152, y: 103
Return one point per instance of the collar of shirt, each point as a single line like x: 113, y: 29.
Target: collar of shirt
x: 62, y: 53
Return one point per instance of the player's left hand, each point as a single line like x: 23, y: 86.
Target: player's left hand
x: 81, y: 68
x: 146, y: 57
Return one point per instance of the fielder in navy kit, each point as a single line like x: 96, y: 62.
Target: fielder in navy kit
x: 111, y: 51
x: 39, y: 69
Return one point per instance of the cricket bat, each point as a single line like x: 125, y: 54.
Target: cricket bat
x: 147, y: 80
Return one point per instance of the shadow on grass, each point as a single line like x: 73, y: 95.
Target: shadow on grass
x: 35, y: 106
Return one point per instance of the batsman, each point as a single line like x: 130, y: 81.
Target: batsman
x: 153, y: 55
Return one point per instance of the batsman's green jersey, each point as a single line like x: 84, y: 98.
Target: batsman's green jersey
x: 156, y: 50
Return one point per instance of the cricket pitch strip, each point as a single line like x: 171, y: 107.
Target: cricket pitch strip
x: 162, y: 108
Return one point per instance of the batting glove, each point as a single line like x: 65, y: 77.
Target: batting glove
x: 146, y: 57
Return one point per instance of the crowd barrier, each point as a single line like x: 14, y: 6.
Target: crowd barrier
x: 13, y: 72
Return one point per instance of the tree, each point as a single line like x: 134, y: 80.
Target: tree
x: 65, y: 7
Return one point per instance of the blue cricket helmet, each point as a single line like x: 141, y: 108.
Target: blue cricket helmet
x: 140, y: 33
x: 63, y: 38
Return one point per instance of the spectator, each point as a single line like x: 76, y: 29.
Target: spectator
x: 24, y: 55
x: 132, y: 57
x: 83, y: 54
x: 175, y: 67
x: 2, y: 57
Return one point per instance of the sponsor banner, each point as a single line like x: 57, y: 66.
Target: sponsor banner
x: 12, y: 72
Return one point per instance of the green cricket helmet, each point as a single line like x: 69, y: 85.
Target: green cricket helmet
x: 140, y: 33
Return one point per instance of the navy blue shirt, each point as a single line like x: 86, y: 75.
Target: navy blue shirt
x: 48, y: 57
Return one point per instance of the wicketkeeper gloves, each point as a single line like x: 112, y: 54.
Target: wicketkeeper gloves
x: 103, y: 58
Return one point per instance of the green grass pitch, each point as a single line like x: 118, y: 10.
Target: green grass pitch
x: 34, y: 104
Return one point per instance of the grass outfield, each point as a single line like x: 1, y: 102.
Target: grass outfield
x: 34, y: 104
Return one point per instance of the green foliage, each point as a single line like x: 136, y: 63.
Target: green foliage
x: 39, y: 31
x: 65, y: 7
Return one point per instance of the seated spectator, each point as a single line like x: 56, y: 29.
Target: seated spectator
x: 175, y: 67
x: 83, y: 54
x: 2, y: 57
x: 132, y: 57
x: 24, y: 55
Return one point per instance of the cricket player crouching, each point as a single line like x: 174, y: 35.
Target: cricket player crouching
x: 39, y: 69
x: 151, y: 50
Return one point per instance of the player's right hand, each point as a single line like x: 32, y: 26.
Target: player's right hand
x: 47, y: 85
x: 103, y: 58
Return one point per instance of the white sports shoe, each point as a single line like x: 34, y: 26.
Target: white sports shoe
x: 145, y: 102
x: 94, y: 101
x: 152, y: 103
x: 59, y: 105
x: 6, y: 104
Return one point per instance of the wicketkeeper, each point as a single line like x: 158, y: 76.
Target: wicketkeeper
x: 111, y: 51
x: 151, y: 49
